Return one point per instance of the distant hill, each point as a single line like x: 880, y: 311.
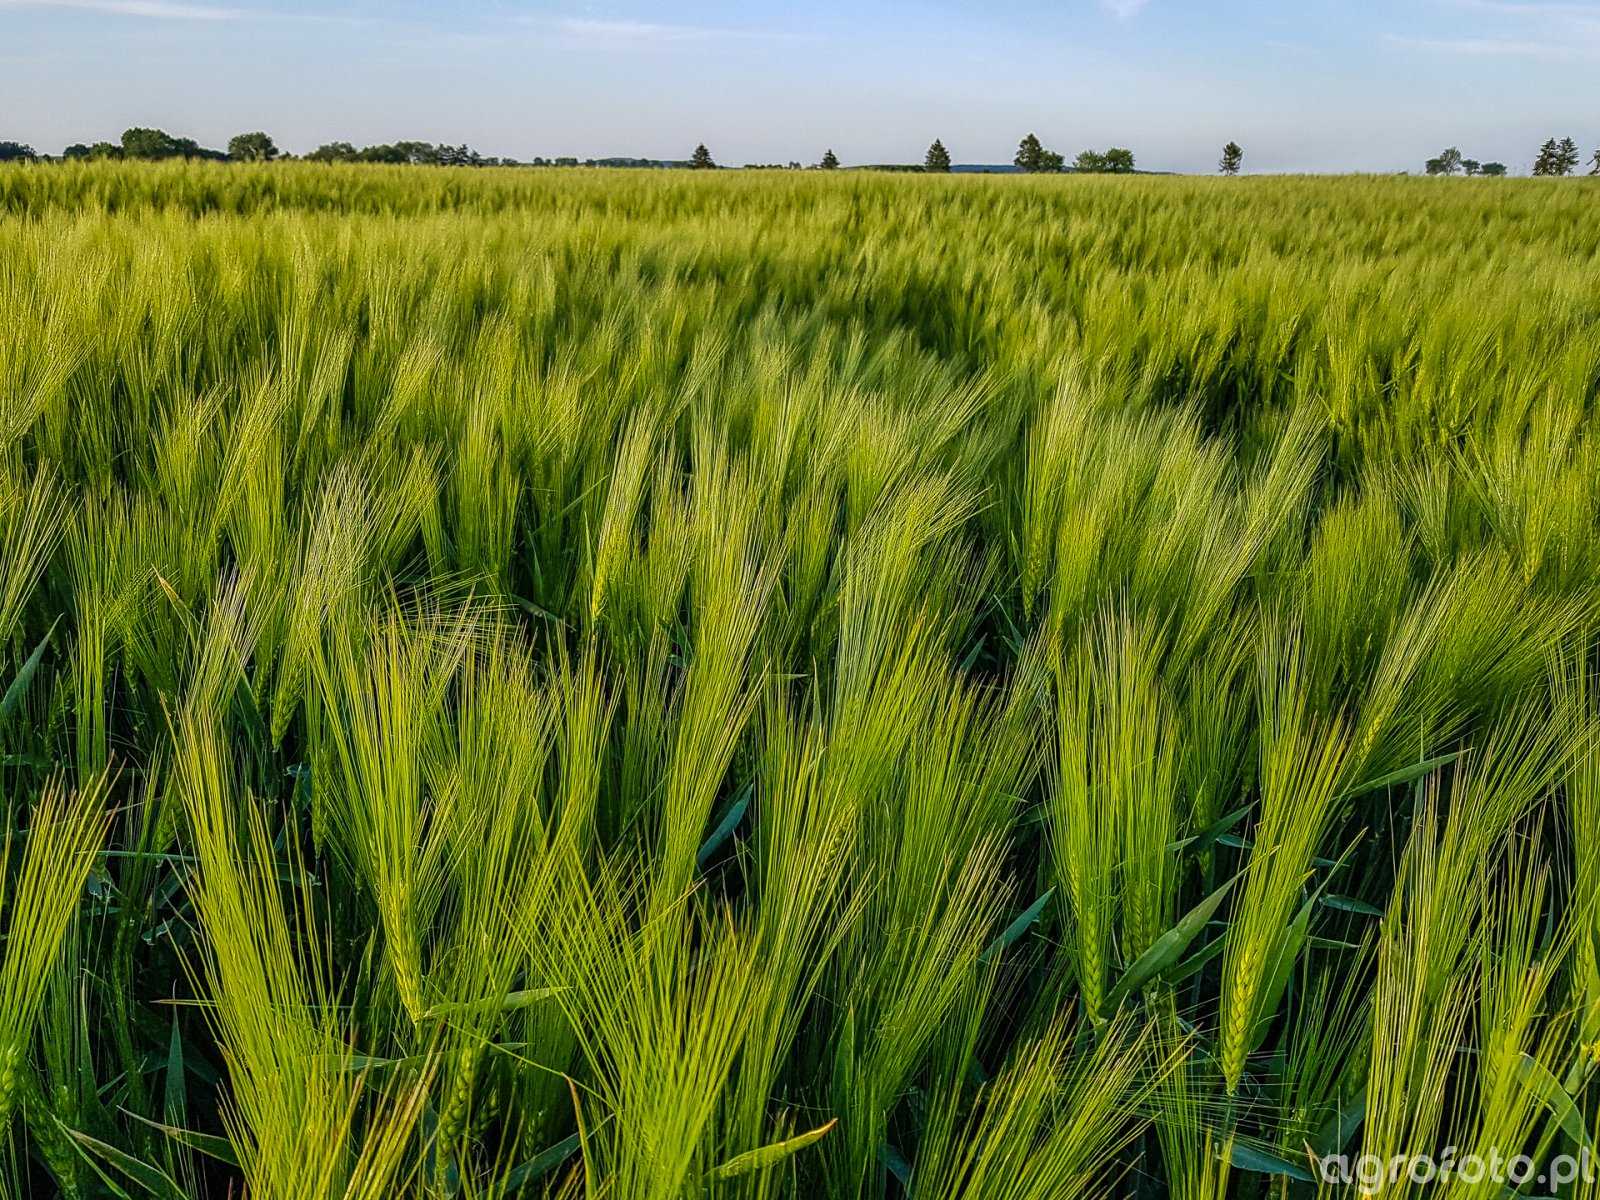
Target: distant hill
x: 1069, y: 169
x: 957, y: 168
x: 901, y: 168
x: 647, y: 163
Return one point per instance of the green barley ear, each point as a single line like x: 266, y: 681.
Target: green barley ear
x: 65, y: 828
x: 31, y: 523
x: 1052, y: 1122
x: 1304, y: 758
x: 1578, y: 701
x: 623, y: 498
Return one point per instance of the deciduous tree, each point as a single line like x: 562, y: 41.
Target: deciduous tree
x: 147, y: 143
x: 1115, y: 161
x: 333, y: 152
x: 252, y: 147
x: 1448, y: 163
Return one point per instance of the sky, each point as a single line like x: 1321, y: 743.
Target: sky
x: 1302, y: 85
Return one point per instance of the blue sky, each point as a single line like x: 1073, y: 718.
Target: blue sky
x: 1303, y: 85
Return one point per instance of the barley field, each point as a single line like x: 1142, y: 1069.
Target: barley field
x: 662, y: 684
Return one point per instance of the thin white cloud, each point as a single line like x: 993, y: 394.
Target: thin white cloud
x: 1521, y: 29
x: 1530, y: 8
x: 152, y: 10
x: 646, y: 33
x: 1123, y: 9
x: 1494, y: 47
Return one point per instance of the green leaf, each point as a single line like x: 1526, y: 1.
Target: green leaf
x: 895, y: 1163
x: 152, y: 1179
x: 529, y: 607
x: 972, y: 656
x: 1015, y: 930
x: 1538, y: 1077
x: 1209, y: 836
x: 766, y: 1156
x: 336, y: 1063
x: 1404, y: 775
x: 32, y: 760
x: 19, y: 685
x: 1337, y: 1131
x: 541, y: 1164
x: 218, y: 1148
x: 1169, y: 947
x: 1350, y: 904
x: 725, y: 827
x: 512, y: 1002
x: 1248, y: 1158
x: 1196, y: 961
x: 176, y: 1098
x: 1322, y: 943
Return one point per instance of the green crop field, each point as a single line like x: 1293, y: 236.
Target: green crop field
x: 657, y: 684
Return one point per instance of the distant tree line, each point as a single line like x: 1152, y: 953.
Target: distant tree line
x: 156, y: 144
x: 568, y: 161
x: 416, y: 154
x: 1451, y: 162
x: 1034, y: 159
x: 1555, y: 158
x: 150, y: 144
